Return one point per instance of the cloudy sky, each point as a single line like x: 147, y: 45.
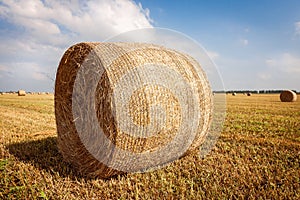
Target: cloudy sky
x: 255, y: 44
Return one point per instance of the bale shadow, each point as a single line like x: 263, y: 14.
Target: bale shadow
x: 44, y: 155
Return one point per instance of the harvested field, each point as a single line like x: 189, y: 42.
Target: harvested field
x: 256, y: 156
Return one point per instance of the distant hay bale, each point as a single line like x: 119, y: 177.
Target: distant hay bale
x: 249, y: 94
x: 21, y: 93
x: 115, y: 101
x: 234, y: 94
x: 288, y: 96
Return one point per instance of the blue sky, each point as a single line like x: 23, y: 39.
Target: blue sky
x: 255, y: 44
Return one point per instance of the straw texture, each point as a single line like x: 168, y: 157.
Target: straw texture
x: 288, y: 96
x: 139, y: 101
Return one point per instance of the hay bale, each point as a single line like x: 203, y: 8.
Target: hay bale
x: 126, y: 107
x: 249, y: 94
x: 21, y: 93
x: 234, y: 94
x: 288, y: 96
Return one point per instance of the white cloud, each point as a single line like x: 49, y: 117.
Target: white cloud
x: 19, y: 69
x: 3, y: 68
x: 247, y: 30
x: 213, y: 55
x: 4, y: 71
x: 244, y: 42
x: 281, y: 72
x: 41, y: 30
x: 297, y: 28
x: 285, y: 63
x: 264, y: 76
x: 93, y: 20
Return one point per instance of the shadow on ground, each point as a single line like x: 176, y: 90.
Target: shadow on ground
x: 43, y: 154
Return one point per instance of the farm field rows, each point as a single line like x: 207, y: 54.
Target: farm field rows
x: 257, y: 156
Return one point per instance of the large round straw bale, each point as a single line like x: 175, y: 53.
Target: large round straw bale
x: 288, y: 96
x: 21, y: 93
x: 249, y: 94
x: 234, y: 94
x: 125, y: 107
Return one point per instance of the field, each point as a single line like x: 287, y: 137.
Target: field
x: 256, y: 157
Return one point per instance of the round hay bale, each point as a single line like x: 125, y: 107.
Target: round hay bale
x: 288, y: 96
x: 129, y: 107
x: 21, y: 93
x: 234, y: 94
x: 249, y: 94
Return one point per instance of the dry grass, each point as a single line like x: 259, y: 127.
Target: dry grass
x: 256, y: 156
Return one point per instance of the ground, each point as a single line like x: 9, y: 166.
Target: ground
x: 256, y: 156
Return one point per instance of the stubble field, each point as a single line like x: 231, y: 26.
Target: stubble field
x: 257, y: 156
